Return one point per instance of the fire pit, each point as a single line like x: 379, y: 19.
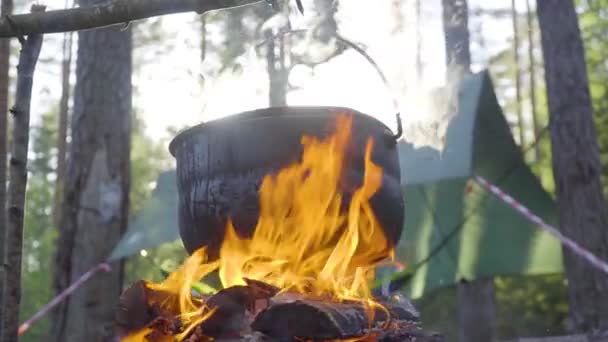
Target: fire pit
x: 299, y: 267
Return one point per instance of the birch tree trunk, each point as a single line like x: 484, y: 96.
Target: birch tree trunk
x: 583, y: 214
x: 95, y: 202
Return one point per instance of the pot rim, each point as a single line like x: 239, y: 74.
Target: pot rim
x: 270, y: 112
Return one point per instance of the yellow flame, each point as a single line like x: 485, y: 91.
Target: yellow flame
x: 305, y: 240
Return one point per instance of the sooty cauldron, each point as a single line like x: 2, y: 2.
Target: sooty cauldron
x: 221, y: 164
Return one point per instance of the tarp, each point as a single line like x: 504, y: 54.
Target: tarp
x: 478, y: 235
x: 485, y: 237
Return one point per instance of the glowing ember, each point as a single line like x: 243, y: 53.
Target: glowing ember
x: 305, y: 240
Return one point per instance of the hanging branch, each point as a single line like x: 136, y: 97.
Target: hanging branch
x: 111, y: 13
x: 30, y: 49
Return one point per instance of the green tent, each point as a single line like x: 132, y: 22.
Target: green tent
x: 456, y: 229
x: 463, y: 234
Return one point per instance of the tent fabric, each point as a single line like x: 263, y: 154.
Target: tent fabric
x: 426, y: 164
x: 490, y: 238
x: 481, y: 236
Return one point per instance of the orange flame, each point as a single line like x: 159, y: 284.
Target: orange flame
x: 305, y: 240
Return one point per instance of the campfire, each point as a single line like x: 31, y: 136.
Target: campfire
x: 304, y: 274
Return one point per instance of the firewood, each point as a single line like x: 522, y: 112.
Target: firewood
x: 260, y: 289
x: 234, y: 308
x: 132, y: 313
x: 291, y: 316
x: 229, y: 315
x: 258, y: 312
x: 139, y: 306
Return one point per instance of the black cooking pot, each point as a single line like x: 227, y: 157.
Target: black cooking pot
x: 221, y: 164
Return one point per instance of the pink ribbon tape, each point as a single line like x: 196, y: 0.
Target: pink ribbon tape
x: 569, y: 243
x: 105, y: 267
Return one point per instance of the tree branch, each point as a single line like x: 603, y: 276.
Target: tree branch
x: 111, y: 13
x: 30, y: 50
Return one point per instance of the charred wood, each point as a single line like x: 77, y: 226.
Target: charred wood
x: 258, y: 312
x: 294, y: 316
x: 140, y: 306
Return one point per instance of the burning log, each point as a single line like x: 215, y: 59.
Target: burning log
x: 142, y: 307
x: 234, y: 307
x: 258, y: 312
x: 139, y: 306
x: 289, y: 316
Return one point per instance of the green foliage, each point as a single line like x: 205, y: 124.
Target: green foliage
x: 153, y: 264
x: 438, y: 312
x: 526, y: 306
x: 148, y: 159
x: 531, y: 306
x: 39, y: 233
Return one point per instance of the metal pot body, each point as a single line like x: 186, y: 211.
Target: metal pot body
x: 221, y: 164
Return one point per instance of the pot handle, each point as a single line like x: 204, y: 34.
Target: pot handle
x: 399, y: 133
x: 395, y: 137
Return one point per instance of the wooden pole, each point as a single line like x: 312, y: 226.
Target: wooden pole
x: 30, y: 50
x: 106, y: 14
x: 5, y: 54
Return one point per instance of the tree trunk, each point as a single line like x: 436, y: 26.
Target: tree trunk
x: 532, y: 75
x: 476, y: 310
x: 475, y: 298
x: 518, y: 107
x: 15, y: 207
x: 583, y: 214
x: 95, y: 202
x: 5, y: 47
x: 456, y: 31
x: 62, y: 131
